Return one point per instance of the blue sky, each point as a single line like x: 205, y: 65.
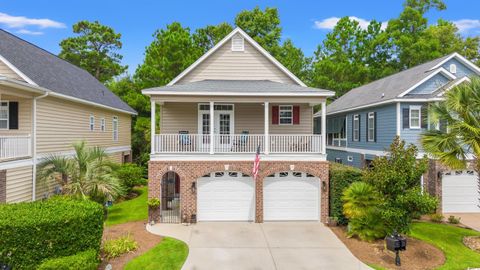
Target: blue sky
x: 46, y: 23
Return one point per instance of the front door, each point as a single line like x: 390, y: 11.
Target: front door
x: 223, y: 127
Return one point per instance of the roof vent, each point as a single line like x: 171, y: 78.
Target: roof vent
x: 238, y: 43
x: 383, y: 95
x: 453, y: 68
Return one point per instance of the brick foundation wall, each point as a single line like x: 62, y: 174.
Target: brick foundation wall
x: 190, y: 171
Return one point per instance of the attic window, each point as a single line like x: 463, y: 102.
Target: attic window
x: 453, y: 68
x: 238, y: 44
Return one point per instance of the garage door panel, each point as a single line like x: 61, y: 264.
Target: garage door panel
x: 290, y: 197
x: 225, y: 198
x: 460, y: 193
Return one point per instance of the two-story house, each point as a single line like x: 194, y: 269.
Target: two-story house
x: 363, y: 123
x: 214, y: 116
x: 47, y: 104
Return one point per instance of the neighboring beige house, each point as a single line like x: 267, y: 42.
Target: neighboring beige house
x: 213, y: 117
x: 46, y: 104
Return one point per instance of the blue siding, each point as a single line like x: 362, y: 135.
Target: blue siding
x: 386, y: 128
x: 462, y: 70
x: 410, y: 135
x: 333, y: 154
x: 431, y: 85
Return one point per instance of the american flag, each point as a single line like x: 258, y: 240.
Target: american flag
x: 256, y: 164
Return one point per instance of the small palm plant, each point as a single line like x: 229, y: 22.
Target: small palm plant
x: 88, y: 174
x: 461, y: 112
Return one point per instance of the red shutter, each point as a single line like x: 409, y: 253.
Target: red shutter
x: 274, y: 115
x: 296, y: 115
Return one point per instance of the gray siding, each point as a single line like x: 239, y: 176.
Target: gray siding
x: 462, y: 70
x: 431, y: 85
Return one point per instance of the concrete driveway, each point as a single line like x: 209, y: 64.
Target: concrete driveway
x: 471, y: 220
x: 279, y: 245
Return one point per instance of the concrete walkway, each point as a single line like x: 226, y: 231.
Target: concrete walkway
x: 279, y: 245
x: 471, y: 220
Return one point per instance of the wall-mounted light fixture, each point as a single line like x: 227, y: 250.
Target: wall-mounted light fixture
x: 194, y: 187
x: 226, y: 167
x: 292, y: 167
x: 324, y: 186
x: 170, y: 168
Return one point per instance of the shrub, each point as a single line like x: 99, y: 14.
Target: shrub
x: 130, y: 175
x: 86, y: 260
x: 341, y: 177
x: 453, y: 220
x: 437, y: 218
x: 153, y: 202
x: 116, y: 247
x: 35, y: 231
x: 362, y: 209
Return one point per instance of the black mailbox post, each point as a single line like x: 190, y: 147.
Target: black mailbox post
x: 396, y: 243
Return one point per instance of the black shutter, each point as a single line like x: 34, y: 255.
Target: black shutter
x: 13, y: 115
x: 353, y: 127
x: 424, y: 113
x: 375, y: 126
x: 366, y: 127
x: 406, y: 118
x: 359, y: 127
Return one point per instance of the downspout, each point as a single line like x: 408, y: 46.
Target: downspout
x: 34, y: 145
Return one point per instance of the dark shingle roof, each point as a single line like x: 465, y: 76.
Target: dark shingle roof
x: 240, y: 86
x: 51, y: 72
x: 390, y: 86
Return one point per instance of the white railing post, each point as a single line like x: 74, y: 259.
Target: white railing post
x: 267, y: 122
x: 324, y: 127
x: 212, y: 127
x: 152, y: 127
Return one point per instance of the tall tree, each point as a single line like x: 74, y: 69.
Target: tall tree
x: 94, y: 49
x: 172, y: 50
x: 205, y: 38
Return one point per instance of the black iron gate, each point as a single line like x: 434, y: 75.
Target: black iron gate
x: 170, y: 205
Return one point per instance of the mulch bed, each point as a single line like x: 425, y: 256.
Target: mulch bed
x: 472, y: 242
x: 145, y: 241
x: 419, y: 254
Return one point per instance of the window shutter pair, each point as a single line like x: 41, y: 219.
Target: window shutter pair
x: 295, y: 116
x: 13, y: 115
x: 424, y: 116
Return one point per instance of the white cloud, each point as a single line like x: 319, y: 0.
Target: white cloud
x: 329, y: 23
x: 21, y: 21
x: 29, y: 32
x: 465, y: 25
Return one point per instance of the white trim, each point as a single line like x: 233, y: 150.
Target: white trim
x: 371, y: 115
x: 152, y: 126
x: 356, y: 117
x: 461, y: 59
x: 399, y: 117
x: 415, y: 108
x: 115, y: 131
x: 17, y: 71
x: 226, y: 39
x: 236, y: 157
x: 291, y: 115
x: 358, y: 150
x: 239, y: 94
x: 8, y: 114
x: 454, y: 84
x: 440, y: 70
x: 91, y: 123
x: 266, y: 126
x: 16, y: 163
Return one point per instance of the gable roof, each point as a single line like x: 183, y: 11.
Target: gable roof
x: 238, y: 87
x: 239, y: 31
x: 43, y: 69
x: 395, y: 86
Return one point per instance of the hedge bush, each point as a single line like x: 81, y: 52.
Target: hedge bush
x: 130, y: 175
x: 35, y: 231
x: 341, y: 176
x: 86, y: 260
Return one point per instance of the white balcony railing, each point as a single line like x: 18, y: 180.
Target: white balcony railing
x: 15, y: 146
x: 237, y: 143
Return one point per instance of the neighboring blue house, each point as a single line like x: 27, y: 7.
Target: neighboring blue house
x: 363, y: 123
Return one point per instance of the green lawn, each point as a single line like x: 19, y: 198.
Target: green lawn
x: 170, y: 254
x: 449, y: 239
x: 130, y: 210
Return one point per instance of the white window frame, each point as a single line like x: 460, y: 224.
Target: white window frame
x: 419, y: 109
x: 102, y: 124
x: 91, y: 124
x: 115, y: 128
x: 280, y: 117
x: 8, y: 114
x: 371, y: 127
x: 356, y: 130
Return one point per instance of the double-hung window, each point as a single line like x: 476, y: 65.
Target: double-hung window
x: 356, y: 127
x: 4, y: 114
x: 371, y: 127
x: 285, y: 114
x: 92, y: 122
x: 415, y: 116
x: 115, y: 128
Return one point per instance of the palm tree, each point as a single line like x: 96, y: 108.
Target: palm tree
x: 88, y: 174
x: 460, y: 111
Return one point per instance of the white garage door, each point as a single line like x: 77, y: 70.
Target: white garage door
x: 460, y: 192
x: 226, y: 196
x: 291, y: 196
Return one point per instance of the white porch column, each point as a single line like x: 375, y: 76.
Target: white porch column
x: 152, y: 126
x: 212, y: 127
x: 324, y: 127
x: 267, y: 134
